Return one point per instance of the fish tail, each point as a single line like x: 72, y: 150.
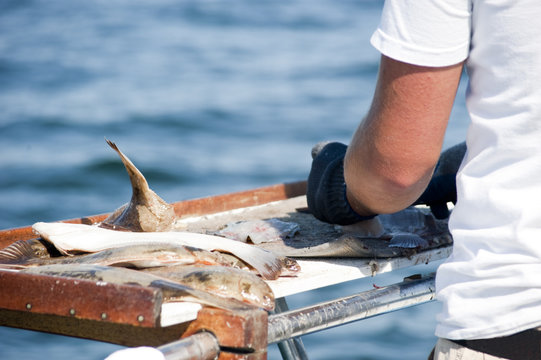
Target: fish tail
x: 136, y: 177
x: 16, y: 254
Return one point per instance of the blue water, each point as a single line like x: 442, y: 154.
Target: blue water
x: 206, y: 97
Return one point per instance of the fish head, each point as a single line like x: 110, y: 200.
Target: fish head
x: 256, y: 294
x: 290, y: 267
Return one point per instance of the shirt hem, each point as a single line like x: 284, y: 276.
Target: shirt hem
x: 417, y: 55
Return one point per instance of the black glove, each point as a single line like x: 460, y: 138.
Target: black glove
x: 326, y: 192
x: 442, y: 187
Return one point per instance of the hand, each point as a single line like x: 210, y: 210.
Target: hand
x: 326, y: 193
x: 442, y: 187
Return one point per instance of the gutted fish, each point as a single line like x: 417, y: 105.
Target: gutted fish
x: 223, y: 281
x: 70, y: 238
x: 146, y: 211
x: 22, y: 254
x: 171, y: 290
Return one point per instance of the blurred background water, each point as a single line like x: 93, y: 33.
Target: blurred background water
x: 206, y: 97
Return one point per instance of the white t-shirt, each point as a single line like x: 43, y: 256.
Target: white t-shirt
x: 491, y: 285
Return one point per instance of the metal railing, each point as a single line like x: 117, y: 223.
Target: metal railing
x: 286, y: 326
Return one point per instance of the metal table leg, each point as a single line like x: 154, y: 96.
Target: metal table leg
x: 293, y: 348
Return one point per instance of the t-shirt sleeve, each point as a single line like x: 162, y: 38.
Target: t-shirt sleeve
x: 425, y: 32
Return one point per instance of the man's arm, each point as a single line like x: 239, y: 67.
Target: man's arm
x: 393, y: 152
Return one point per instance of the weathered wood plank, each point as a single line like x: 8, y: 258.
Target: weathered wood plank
x: 80, y: 299
x: 121, y: 334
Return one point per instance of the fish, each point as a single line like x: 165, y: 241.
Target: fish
x: 146, y: 211
x: 22, y: 254
x: 389, y: 235
x: 223, y: 281
x: 400, y: 229
x: 172, y: 291
x: 68, y: 238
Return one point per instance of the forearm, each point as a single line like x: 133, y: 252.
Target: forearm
x: 379, y: 182
x: 392, y: 155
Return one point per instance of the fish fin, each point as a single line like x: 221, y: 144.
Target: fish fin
x: 17, y: 253
x: 408, y: 241
x: 136, y: 177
